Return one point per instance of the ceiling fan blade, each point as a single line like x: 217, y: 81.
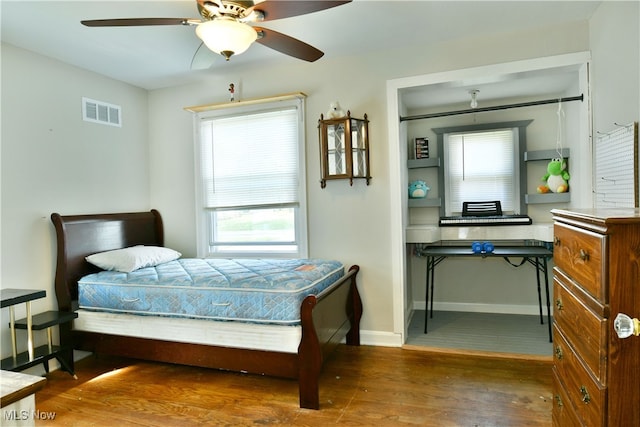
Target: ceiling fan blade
x: 135, y: 22
x: 287, y: 45
x: 279, y: 9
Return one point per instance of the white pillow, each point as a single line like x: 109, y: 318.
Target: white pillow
x: 130, y: 259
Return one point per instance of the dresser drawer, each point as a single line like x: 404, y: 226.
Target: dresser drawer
x: 579, y: 254
x: 585, y: 394
x: 563, y: 413
x: 583, y: 328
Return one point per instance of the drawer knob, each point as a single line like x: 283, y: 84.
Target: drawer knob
x: 556, y: 240
x: 559, y: 305
x: 559, y: 354
x: 584, y: 255
x: 559, y: 401
x: 585, y: 394
x: 625, y: 326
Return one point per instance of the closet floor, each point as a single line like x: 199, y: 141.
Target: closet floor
x: 484, y: 332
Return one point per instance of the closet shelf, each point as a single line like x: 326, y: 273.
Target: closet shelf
x: 425, y: 203
x: 530, y: 156
x: 532, y: 199
x: 423, y: 163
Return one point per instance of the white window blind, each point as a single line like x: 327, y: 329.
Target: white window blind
x: 251, y: 179
x: 481, y: 166
x: 251, y: 160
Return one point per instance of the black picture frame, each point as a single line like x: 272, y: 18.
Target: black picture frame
x: 421, y: 148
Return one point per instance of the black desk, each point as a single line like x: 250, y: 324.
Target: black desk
x: 534, y: 255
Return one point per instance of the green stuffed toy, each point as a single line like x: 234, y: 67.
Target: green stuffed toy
x: 556, y: 178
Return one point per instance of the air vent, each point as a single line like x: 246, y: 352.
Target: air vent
x: 101, y: 112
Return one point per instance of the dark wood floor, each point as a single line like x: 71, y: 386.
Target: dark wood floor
x: 360, y: 386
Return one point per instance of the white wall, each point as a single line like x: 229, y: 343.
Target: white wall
x: 53, y: 161
x: 614, y: 38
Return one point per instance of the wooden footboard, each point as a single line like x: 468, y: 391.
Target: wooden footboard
x: 326, y: 318
x: 324, y: 325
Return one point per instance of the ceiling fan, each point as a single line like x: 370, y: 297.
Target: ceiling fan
x: 224, y: 27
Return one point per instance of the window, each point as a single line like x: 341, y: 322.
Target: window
x: 481, y: 166
x: 477, y: 160
x: 251, y: 180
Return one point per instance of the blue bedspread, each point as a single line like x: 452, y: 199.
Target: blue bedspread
x: 250, y: 290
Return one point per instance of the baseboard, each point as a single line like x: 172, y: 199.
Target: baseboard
x: 380, y: 338
x: 482, y: 308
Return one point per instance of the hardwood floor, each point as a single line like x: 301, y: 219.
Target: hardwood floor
x: 360, y: 386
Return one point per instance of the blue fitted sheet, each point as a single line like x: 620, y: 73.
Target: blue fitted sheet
x: 249, y: 290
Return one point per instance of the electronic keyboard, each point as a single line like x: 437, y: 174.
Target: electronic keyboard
x: 460, y: 221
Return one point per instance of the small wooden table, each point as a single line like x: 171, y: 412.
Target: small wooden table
x: 15, y: 386
x: 17, y: 398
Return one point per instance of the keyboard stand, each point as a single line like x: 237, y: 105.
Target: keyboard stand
x: 534, y: 255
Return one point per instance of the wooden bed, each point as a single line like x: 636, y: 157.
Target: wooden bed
x: 326, y: 318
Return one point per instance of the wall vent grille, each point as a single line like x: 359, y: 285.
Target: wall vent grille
x: 101, y: 112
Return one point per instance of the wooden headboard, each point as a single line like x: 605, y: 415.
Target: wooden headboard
x: 81, y: 235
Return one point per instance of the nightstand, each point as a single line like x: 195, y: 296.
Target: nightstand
x: 43, y: 321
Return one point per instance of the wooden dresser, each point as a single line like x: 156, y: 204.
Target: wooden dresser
x: 596, y: 276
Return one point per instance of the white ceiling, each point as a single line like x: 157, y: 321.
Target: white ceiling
x: 155, y: 57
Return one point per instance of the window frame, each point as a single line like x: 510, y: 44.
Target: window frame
x: 520, y: 134
x: 205, y: 217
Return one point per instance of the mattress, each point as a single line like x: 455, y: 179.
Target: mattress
x: 248, y: 290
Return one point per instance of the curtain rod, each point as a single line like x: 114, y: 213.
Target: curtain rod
x: 494, y: 108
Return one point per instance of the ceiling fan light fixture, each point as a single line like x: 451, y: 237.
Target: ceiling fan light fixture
x: 226, y: 36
